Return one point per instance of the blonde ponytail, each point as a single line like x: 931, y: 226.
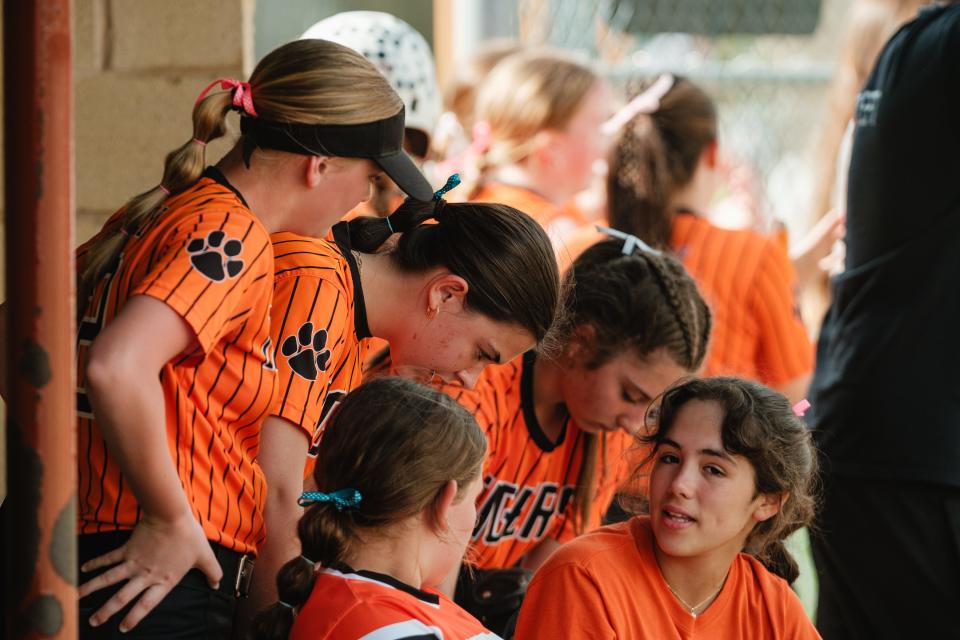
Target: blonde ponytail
x: 182, y: 168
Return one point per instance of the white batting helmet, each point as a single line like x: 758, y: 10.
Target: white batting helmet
x: 398, y: 51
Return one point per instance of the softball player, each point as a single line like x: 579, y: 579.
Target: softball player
x: 732, y: 475
x: 175, y: 364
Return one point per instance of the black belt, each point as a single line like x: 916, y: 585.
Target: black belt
x: 237, y: 567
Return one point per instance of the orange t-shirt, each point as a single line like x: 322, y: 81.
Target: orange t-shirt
x: 559, y: 221
x: 210, y: 260
x: 748, y: 281
x: 607, y: 584
x: 529, y: 482
x: 319, y: 326
x: 346, y: 604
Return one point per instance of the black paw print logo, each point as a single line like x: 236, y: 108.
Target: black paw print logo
x: 216, y: 256
x: 307, y: 351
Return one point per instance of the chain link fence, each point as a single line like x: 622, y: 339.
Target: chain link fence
x: 766, y: 63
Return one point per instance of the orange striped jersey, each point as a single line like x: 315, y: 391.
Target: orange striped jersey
x: 559, y: 221
x: 209, y: 259
x: 319, y: 325
x: 347, y: 605
x: 529, y: 481
x: 749, y: 283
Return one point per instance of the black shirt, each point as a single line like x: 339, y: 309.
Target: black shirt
x: 886, y: 392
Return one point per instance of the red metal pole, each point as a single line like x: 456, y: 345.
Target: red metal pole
x: 40, y: 519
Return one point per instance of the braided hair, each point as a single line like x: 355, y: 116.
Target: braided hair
x: 636, y: 303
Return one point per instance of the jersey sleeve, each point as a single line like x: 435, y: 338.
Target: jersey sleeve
x: 211, y: 272
x: 785, y: 350
x: 564, y: 601
x: 312, y: 323
x: 795, y: 624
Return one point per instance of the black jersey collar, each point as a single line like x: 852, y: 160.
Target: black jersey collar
x: 390, y: 581
x: 527, y: 404
x: 217, y: 176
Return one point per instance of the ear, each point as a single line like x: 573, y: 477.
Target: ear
x: 315, y: 170
x: 447, y: 292
x: 768, y: 505
x: 543, y: 147
x: 441, y: 506
x: 581, y: 344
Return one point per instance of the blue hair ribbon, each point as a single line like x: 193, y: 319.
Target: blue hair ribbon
x: 451, y: 183
x: 342, y: 499
x: 630, y: 242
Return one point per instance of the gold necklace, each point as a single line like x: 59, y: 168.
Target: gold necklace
x: 693, y: 610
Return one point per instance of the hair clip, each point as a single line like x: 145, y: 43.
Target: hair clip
x: 451, y: 183
x: 307, y: 560
x: 199, y: 142
x: 164, y: 189
x: 630, y: 242
x: 285, y: 604
x: 342, y: 499
x: 801, y: 407
x: 647, y: 102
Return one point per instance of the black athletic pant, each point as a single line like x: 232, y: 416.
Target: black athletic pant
x: 191, y: 610
x: 888, y: 559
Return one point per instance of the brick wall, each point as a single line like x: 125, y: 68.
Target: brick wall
x: 138, y: 66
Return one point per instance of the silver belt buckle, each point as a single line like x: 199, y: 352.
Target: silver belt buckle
x: 241, y: 587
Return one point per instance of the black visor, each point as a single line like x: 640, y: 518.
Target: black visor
x: 380, y: 141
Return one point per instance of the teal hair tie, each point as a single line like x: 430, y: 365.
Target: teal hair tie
x: 342, y: 499
x: 630, y: 242
x: 451, y: 183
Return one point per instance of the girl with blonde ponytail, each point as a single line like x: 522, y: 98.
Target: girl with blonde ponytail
x: 543, y: 111
x: 398, y: 471
x: 175, y: 363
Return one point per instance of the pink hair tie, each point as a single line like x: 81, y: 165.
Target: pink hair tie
x: 801, y: 407
x: 199, y: 142
x: 164, y: 189
x: 242, y: 95
x: 482, y: 136
x: 647, y: 102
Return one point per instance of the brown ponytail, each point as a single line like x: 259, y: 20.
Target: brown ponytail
x: 396, y: 442
x: 635, y: 304
x: 503, y: 254
x: 656, y: 156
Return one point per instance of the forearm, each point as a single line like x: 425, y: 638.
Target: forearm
x: 133, y: 425
x: 280, y: 546
x: 283, y: 450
